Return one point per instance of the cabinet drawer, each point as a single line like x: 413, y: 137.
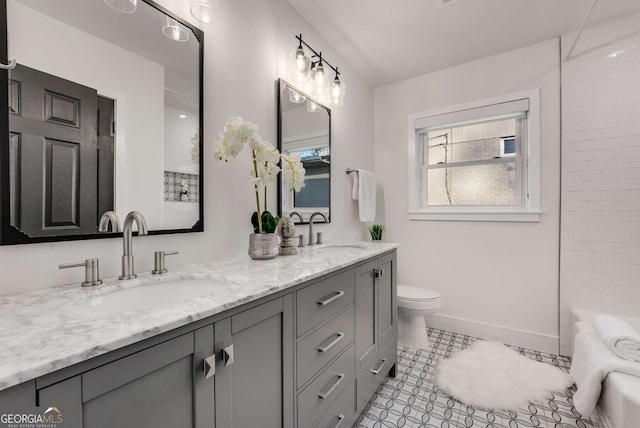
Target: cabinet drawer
x: 320, y: 301
x: 317, y: 349
x: 318, y: 396
x: 341, y: 412
x: 375, y: 371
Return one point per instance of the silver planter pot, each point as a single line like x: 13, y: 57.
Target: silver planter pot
x: 263, y: 246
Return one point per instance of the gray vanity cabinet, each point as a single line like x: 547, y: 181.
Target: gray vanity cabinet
x: 161, y: 386
x: 254, y: 368
x: 311, y: 356
x: 376, y: 325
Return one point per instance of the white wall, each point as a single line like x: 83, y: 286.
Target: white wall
x: 600, y: 243
x: 497, y: 280
x: 136, y: 84
x: 245, y: 52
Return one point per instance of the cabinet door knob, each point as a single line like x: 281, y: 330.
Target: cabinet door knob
x: 227, y: 355
x: 324, y: 395
x: 378, y: 272
x: 209, y: 366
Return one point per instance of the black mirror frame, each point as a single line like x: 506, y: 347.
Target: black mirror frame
x: 9, y: 235
x: 281, y: 85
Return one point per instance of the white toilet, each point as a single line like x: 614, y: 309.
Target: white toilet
x: 414, y: 304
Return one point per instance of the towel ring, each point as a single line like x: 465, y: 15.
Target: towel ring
x: 10, y: 66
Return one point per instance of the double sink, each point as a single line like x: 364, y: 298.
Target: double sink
x: 164, y: 293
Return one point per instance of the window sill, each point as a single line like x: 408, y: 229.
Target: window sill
x: 507, y: 216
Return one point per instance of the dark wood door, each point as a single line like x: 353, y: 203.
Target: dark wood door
x: 54, y: 151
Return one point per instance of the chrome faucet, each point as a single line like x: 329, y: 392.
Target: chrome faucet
x: 296, y: 213
x: 128, y: 271
x: 311, y: 225
x: 109, y: 217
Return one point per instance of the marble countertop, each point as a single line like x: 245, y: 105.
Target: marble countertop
x: 49, y: 329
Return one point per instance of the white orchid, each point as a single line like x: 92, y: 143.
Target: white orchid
x: 293, y: 172
x: 265, y: 158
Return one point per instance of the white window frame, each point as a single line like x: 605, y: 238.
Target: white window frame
x: 528, y: 212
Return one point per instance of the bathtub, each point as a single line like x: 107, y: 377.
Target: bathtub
x: 619, y: 403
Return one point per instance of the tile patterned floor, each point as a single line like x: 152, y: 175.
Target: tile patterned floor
x: 413, y: 400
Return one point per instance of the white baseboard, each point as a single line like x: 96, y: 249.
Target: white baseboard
x: 511, y: 336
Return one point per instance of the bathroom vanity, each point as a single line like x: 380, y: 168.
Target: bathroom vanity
x: 300, y: 341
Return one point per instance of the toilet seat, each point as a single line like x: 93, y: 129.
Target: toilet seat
x: 418, y: 298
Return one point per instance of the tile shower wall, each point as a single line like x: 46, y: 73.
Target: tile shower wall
x: 600, y: 219
x: 181, y: 187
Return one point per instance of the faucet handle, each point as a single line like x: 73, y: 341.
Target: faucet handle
x: 158, y: 261
x: 91, y: 272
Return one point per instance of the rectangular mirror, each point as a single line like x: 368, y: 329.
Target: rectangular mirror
x: 104, y: 114
x: 304, y: 127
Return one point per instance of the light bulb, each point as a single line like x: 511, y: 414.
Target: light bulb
x: 301, y: 59
x: 312, y: 107
x: 300, y: 63
x: 296, y: 97
x: 337, y: 92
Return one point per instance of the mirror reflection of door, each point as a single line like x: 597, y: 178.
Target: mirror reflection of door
x: 55, y: 166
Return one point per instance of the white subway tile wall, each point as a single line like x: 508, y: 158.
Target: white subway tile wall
x: 600, y: 221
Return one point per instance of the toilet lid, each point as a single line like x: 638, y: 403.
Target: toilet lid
x: 406, y: 292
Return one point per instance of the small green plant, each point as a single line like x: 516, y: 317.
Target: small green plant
x: 376, y: 231
x: 269, y: 222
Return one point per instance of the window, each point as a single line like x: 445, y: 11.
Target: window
x: 477, y: 161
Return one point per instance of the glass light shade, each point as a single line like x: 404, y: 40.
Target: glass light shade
x: 319, y: 81
x: 296, y: 97
x: 174, y: 31
x: 312, y: 107
x: 205, y: 11
x: 300, y: 64
x: 125, y: 6
x: 336, y: 92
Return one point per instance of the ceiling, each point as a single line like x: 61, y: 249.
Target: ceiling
x: 390, y: 41
x: 139, y: 33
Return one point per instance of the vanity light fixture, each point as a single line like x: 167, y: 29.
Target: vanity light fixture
x: 205, y: 11
x: 174, y: 31
x: 125, y: 6
x: 312, y: 70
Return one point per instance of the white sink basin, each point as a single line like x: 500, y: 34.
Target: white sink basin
x: 152, y: 295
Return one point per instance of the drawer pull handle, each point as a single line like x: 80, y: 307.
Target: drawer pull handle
x: 333, y: 343
x: 324, y: 395
x: 376, y: 370
x: 336, y: 296
x: 340, y: 419
x: 209, y: 366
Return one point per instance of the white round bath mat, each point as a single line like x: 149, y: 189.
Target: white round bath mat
x: 488, y: 375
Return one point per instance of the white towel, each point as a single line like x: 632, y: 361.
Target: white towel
x: 356, y: 186
x: 591, y: 364
x: 619, y: 336
x: 366, y: 195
